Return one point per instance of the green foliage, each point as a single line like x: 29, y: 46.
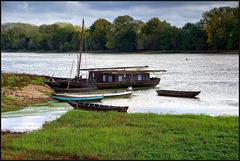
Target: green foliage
x: 169, y: 39
x: 12, y: 80
x: 6, y: 99
x: 151, y: 33
x: 136, y: 136
x: 218, y: 29
x: 98, y: 32
x: 6, y: 104
x: 222, y: 27
x: 193, y: 37
x: 122, y: 36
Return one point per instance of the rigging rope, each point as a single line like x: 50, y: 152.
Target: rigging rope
x: 70, y: 42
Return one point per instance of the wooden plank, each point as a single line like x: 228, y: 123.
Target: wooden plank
x: 134, y: 71
x: 99, y: 69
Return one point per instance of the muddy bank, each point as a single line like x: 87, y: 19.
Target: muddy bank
x: 29, y: 94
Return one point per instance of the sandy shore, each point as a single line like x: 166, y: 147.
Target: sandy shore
x: 29, y: 94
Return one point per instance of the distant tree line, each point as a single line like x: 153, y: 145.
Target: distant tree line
x: 217, y: 30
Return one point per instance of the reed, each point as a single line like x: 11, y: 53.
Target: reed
x: 135, y: 136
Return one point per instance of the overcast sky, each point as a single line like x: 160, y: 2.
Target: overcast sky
x: 177, y: 13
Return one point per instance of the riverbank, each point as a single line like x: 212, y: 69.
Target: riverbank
x: 20, y: 90
x: 90, y: 135
x: 19, y: 98
x: 137, y: 52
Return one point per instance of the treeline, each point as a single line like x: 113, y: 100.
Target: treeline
x: 217, y: 30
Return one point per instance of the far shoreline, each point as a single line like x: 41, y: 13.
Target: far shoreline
x: 136, y: 52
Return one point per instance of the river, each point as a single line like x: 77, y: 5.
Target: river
x: 215, y: 75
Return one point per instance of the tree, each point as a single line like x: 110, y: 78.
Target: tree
x: 6, y: 40
x: 149, y: 34
x: 122, y: 36
x: 193, y: 37
x: 98, y: 32
x: 168, y: 39
x: 221, y: 25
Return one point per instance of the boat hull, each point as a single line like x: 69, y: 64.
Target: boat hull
x: 72, y: 90
x: 178, y: 93
x: 63, y: 83
x: 125, y: 93
x: 97, y: 107
x: 110, y: 85
x: 76, y: 98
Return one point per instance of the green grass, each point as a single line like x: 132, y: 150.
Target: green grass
x: 6, y: 104
x: 14, y: 80
x: 120, y: 136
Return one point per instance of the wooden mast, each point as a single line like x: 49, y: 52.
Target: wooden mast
x: 79, y: 62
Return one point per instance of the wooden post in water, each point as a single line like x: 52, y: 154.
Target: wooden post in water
x: 79, y: 64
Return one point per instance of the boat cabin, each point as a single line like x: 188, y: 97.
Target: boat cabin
x: 117, y: 76
x: 121, y: 77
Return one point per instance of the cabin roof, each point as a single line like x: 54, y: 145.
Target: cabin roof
x: 116, y: 68
x: 132, y: 71
x: 128, y: 71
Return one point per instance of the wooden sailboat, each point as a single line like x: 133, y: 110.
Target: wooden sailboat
x: 119, y: 77
x: 76, y: 85
x: 106, y: 78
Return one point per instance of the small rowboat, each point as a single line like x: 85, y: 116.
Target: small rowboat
x: 121, y: 93
x: 97, y: 107
x: 67, y: 97
x: 178, y: 93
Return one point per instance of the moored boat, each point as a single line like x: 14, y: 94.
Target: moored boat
x: 105, y: 78
x: 175, y: 93
x: 122, y: 77
x: 121, y: 93
x: 110, y: 78
x: 67, y: 97
x: 97, y: 107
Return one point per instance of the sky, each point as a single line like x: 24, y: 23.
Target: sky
x: 177, y: 13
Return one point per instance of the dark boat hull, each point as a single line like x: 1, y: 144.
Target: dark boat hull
x: 106, y: 85
x: 109, y: 85
x: 63, y: 83
x: 97, y: 107
x: 72, y: 90
x: 178, y: 93
x: 62, y: 86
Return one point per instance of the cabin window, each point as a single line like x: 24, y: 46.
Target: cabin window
x: 120, y: 78
x: 110, y: 78
x: 104, y: 78
x: 139, y: 77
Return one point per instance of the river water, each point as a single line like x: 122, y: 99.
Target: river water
x: 215, y: 75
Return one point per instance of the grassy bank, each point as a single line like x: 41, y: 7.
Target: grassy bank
x: 12, y: 85
x: 111, y: 135
x: 117, y: 136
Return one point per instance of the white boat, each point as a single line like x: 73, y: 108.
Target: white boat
x: 127, y: 92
